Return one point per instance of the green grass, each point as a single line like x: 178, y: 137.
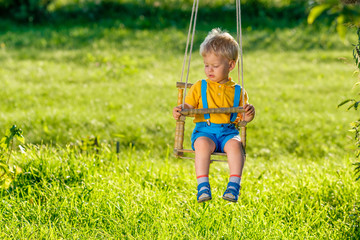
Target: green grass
x: 65, y: 194
x: 64, y: 83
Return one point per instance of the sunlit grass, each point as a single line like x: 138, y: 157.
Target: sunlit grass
x: 63, y: 84
x: 137, y: 195
x: 102, y: 81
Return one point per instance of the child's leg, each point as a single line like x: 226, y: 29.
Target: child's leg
x: 203, y: 148
x: 234, y: 152
x: 236, y: 160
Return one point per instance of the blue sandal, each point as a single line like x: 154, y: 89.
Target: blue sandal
x: 203, y: 195
x: 232, y: 192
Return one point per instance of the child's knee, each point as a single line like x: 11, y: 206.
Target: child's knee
x: 232, y: 145
x: 204, y: 143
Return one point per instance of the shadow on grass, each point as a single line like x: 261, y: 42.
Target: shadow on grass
x: 74, y: 27
x: 161, y: 15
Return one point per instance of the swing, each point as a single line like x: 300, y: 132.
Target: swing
x: 182, y: 87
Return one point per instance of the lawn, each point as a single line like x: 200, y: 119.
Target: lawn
x: 63, y: 84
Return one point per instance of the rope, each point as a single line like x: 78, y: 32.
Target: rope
x: 192, y: 26
x: 239, y: 39
x: 187, y: 42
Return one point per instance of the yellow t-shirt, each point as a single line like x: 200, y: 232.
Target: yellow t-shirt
x: 218, y: 96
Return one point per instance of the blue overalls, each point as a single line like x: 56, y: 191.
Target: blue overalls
x: 219, y: 133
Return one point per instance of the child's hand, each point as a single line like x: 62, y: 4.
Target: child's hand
x: 176, y: 112
x: 249, y: 112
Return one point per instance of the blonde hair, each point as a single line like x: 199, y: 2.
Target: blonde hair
x: 220, y: 43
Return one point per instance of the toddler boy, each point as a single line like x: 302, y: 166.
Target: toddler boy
x: 217, y: 132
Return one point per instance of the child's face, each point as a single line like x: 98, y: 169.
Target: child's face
x: 217, y: 68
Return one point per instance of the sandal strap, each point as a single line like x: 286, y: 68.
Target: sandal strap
x: 207, y: 191
x: 235, y: 188
x: 204, y: 184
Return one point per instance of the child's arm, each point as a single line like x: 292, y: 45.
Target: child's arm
x: 176, y: 110
x: 249, y: 112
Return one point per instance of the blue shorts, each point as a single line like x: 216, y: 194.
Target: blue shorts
x: 219, y: 133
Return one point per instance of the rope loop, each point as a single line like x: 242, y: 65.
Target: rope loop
x: 239, y: 39
x: 188, y: 52
x: 192, y: 27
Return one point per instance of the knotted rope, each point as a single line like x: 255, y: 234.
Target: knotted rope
x: 191, y: 34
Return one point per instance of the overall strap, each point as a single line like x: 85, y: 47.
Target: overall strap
x: 204, y: 98
x: 236, y: 102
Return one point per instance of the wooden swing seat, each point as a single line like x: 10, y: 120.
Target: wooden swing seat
x: 180, y: 124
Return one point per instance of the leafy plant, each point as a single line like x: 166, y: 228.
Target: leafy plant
x: 357, y: 170
x: 354, y: 103
x: 345, y: 12
x: 8, y: 172
x: 341, y: 12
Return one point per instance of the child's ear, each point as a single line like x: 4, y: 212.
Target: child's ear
x: 232, y: 65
